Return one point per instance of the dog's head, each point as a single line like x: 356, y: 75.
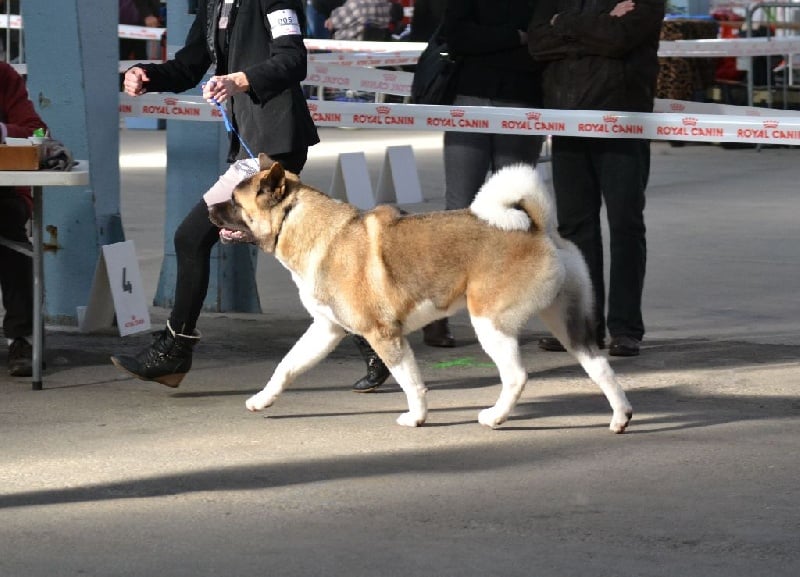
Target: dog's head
x: 258, y: 205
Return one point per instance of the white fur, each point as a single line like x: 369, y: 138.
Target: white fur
x: 504, y: 351
x: 497, y: 336
x: 407, y: 375
x: 315, y: 344
x: 506, y: 187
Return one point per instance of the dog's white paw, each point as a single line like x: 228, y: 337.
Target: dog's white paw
x: 410, y: 420
x: 619, y: 422
x: 491, y: 418
x: 259, y: 402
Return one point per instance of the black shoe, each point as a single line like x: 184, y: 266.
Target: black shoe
x: 624, y: 346
x: 377, y: 373
x: 166, y: 361
x: 437, y: 334
x: 20, y: 358
x: 553, y: 345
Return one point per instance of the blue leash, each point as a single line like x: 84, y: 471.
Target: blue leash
x: 230, y: 128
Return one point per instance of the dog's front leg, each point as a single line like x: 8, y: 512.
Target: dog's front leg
x: 315, y: 344
x: 406, y: 373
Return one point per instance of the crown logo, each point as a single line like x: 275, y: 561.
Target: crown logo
x: 322, y: 69
x: 457, y: 112
x: 770, y: 124
x: 533, y: 115
x: 677, y: 106
x: 689, y: 121
x: 169, y: 101
x: 391, y: 77
x: 610, y: 118
x: 383, y: 109
x: 312, y: 106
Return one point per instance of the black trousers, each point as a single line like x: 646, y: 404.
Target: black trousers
x: 194, y: 239
x: 16, y: 270
x: 586, y: 173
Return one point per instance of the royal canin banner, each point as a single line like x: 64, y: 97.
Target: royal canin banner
x: 752, y: 125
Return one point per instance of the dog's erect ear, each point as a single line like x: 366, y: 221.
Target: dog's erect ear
x: 264, y: 161
x: 273, y: 184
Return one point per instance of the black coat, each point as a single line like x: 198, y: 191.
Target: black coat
x: 428, y: 14
x: 594, y: 61
x: 485, y: 36
x: 272, y: 116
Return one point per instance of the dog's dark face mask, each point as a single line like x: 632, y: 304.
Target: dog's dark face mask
x: 253, y: 211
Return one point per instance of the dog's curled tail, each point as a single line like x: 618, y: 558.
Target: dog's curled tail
x: 514, y: 198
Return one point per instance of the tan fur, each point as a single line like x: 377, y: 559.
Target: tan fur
x: 382, y: 274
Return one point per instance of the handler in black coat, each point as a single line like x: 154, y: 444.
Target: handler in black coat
x: 257, y: 51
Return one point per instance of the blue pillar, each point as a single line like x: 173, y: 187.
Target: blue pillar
x: 196, y: 154
x: 72, y: 57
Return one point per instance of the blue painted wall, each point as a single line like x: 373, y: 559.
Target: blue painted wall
x: 72, y: 57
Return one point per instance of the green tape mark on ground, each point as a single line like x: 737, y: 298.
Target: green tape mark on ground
x: 462, y: 362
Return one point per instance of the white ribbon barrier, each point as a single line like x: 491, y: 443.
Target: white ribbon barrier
x: 692, y: 123
x: 667, y: 48
x: 709, y: 48
x: 722, y: 47
x: 12, y: 21
x: 400, y: 58
x: 141, y: 32
x: 358, y: 78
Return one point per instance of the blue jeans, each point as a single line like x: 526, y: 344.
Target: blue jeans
x: 470, y: 156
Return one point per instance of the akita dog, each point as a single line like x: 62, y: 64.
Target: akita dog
x: 383, y: 274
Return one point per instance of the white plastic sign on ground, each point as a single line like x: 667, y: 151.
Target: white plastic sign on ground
x: 351, y: 181
x: 399, y: 181
x: 116, y: 289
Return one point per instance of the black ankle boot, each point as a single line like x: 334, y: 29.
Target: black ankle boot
x: 437, y: 334
x: 377, y: 373
x: 166, y: 361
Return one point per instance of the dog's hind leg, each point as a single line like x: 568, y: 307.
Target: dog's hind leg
x: 315, y: 344
x: 503, y: 349
x: 400, y: 360
x: 577, y: 336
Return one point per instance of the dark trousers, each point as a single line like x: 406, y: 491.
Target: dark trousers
x: 586, y: 173
x: 194, y: 239
x: 16, y: 270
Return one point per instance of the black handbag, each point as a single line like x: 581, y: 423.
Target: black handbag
x: 436, y: 72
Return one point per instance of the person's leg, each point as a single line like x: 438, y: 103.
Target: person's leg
x: 578, y: 203
x: 510, y: 149
x: 625, y: 171
x: 194, y: 239
x: 16, y: 272
x: 169, y: 357
x: 466, y: 161
x: 16, y: 284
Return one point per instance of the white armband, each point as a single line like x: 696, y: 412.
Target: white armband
x: 284, y: 23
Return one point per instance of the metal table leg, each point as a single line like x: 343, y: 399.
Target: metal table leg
x: 38, y: 289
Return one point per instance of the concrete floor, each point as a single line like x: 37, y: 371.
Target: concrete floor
x: 104, y: 475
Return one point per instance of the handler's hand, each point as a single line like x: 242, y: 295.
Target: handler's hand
x: 220, y: 88
x: 134, y: 81
x: 623, y: 8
